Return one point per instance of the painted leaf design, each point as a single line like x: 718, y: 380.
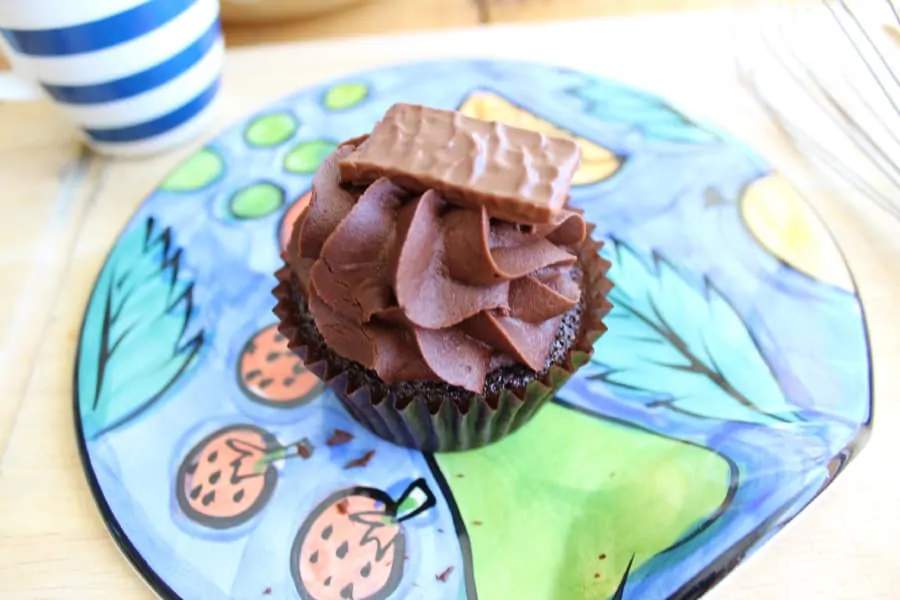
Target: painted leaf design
x: 416, y: 499
x: 653, y: 117
x: 672, y: 345
x: 133, y: 345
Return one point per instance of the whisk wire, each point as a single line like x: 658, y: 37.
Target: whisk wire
x: 859, y: 115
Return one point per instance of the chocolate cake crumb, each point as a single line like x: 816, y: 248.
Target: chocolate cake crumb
x: 303, y: 450
x: 339, y: 437
x: 362, y: 461
x: 342, y: 506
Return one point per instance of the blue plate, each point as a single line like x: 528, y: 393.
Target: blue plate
x: 732, y: 387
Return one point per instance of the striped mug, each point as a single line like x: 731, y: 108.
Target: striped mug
x: 136, y: 77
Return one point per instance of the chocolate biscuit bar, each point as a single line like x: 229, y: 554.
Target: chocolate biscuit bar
x: 516, y: 174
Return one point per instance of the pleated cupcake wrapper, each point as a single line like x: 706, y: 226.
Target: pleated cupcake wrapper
x: 449, y: 429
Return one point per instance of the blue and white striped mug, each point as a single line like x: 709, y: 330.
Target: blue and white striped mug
x: 136, y: 77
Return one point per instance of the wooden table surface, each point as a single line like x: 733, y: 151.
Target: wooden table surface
x: 397, y: 16
x: 403, y: 16
x: 63, y: 208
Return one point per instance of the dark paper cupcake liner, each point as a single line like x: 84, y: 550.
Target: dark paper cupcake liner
x: 447, y: 428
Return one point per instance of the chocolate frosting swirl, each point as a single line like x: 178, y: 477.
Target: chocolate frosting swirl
x: 415, y: 288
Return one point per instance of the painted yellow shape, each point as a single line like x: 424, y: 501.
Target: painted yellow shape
x: 597, y: 162
x: 786, y: 226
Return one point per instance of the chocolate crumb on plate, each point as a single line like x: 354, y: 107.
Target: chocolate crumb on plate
x: 303, y: 450
x: 362, y: 461
x: 442, y: 577
x: 339, y: 437
x: 342, y: 506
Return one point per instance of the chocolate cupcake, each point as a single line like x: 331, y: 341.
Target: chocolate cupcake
x: 438, y: 283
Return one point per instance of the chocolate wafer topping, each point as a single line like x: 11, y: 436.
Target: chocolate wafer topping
x: 516, y: 174
x: 417, y: 288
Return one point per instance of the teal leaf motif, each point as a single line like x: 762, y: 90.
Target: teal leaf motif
x: 133, y: 345
x: 653, y: 117
x: 671, y: 345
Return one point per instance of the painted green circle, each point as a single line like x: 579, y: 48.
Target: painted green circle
x: 305, y: 157
x: 196, y: 172
x: 345, y: 95
x: 256, y: 200
x: 271, y: 129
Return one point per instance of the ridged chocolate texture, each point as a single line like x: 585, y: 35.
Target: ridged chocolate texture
x: 516, y: 174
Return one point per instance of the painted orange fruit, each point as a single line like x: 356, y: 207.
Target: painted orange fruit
x: 352, y: 545
x: 290, y: 216
x: 269, y: 373
x: 227, y: 477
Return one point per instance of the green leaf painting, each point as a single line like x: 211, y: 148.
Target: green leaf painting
x: 682, y: 347
x: 578, y: 517
x: 651, y: 116
x: 134, y: 342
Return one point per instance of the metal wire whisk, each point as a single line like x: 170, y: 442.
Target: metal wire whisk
x: 826, y: 72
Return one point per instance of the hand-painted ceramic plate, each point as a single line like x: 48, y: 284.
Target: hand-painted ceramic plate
x: 731, y: 388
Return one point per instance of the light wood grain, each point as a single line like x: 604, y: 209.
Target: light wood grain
x: 43, y: 214
x: 53, y: 543
x: 396, y: 16
x: 273, y: 11
x: 364, y: 17
x: 516, y: 11
x: 374, y: 16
